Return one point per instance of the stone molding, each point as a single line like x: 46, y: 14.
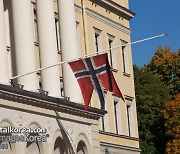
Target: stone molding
x: 117, y: 146
x: 115, y: 8
x: 107, y: 21
x: 47, y: 102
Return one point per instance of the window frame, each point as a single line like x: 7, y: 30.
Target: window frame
x: 112, y: 53
x: 58, y: 39
x: 129, y: 116
x: 78, y: 36
x: 97, y: 40
x: 105, y: 118
x: 35, y: 24
x: 125, y: 58
x: 117, y: 115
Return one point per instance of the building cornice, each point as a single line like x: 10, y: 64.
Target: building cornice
x: 130, y: 98
x: 120, y: 146
x: 107, y: 21
x: 78, y: 9
x: 51, y: 103
x: 115, y: 8
x: 119, y: 136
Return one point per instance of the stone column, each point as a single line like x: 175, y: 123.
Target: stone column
x: 24, y: 42
x: 4, y: 76
x: 69, y: 46
x: 47, y: 44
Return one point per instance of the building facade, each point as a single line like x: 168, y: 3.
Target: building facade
x: 46, y: 101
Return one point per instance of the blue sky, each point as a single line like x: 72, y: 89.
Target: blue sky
x: 154, y: 17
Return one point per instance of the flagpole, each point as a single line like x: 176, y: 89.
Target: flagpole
x: 147, y: 39
x: 90, y: 55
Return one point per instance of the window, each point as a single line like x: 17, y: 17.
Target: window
x: 117, y: 116
x: 39, y: 79
x: 58, y: 45
x: 59, y: 146
x: 112, y: 52
x: 128, y: 118
x: 78, y: 36
x: 36, y: 39
x: 33, y: 146
x: 110, y: 42
x: 105, y: 118
x: 125, y: 58
x: 81, y: 148
x: 97, y: 38
x: 130, y: 122
x: 35, y: 31
x: 62, y: 86
x: 103, y: 127
x: 105, y: 123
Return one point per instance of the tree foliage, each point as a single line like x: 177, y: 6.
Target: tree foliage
x: 165, y: 64
x: 151, y: 95
x: 172, y: 115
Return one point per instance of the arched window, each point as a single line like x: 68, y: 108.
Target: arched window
x: 35, y: 145
x: 81, y: 148
x: 32, y: 148
x: 5, y: 146
x: 59, y: 146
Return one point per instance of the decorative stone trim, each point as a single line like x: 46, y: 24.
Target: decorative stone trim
x: 119, y: 136
x: 107, y: 21
x: 126, y: 74
x: 130, y: 98
x: 115, y: 8
x: 120, y: 146
x: 48, y: 102
x: 78, y: 9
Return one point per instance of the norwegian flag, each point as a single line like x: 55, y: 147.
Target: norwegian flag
x: 95, y: 73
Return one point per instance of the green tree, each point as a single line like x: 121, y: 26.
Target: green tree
x: 171, y: 113
x: 151, y: 95
x: 165, y: 64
